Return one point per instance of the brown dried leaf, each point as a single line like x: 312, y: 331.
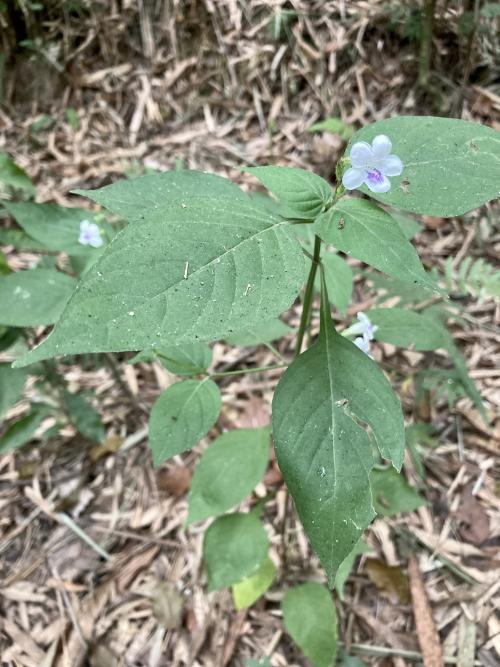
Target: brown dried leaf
x: 428, y: 636
x: 168, y: 605
x: 255, y: 414
x: 433, y: 223
x: 128, y: 571
x: 101, y: 656
x: 109, y: 446
x: 473, y: 521
x: 390, y: 580
x: 175, y: 481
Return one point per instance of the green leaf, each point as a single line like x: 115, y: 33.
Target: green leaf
x: 302, y: 193
x: 464, y: 377
x: 346, y: 660
x: 8, y: 336
x: 187, y: 359
x: 228, y: 471
x: 392, y: 494
x: 265, y: 662
x: 491, y: 10
x: 214, y: 267
x: 20, y: 240
x: 234, y: 547
x: 346, y: 566
x: 14, y: 176
x: 56, y: 227
x: 360, y: 229
x: 335, y: 126
x: 408, y: 225
x: 84, y: 417
x: 12, y: 383
x: 150, y: 197
x: 322, y: 448
x: 310, y: 618
x: 450, y: 166
x: 22, y: 431
x: 181, y: 416
x: 264, y: 332
x: 406, y: 328
x: 34, y: 297
x: 248, y: 591
x: 339, y: 280
x: 408, y: 292
x: 4, y: 266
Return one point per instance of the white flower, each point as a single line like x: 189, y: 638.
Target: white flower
x: 372, y: 165
x: 363, y: 326
x: 90, y: 234
x: 364, y: 345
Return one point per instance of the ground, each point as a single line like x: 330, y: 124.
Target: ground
x: 112, y: 88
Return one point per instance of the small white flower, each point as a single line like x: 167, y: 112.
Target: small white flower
x: 364, y: 345
x: 363, y: 326
x: 90, y: 234
x: 372, y: 165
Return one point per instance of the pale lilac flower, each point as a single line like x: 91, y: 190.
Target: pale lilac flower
x: 90, y: 234
x: 372, y: 165
x: 363, y: 326
x: 364, y: 345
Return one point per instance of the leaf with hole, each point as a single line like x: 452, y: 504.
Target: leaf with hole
x: 320, y: 408
x: 450, y: 166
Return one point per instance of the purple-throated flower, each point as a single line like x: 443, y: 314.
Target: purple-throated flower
x: 364, y: 345
x: 372, y: 165
x: 90, y: 234
x: 363, y: 327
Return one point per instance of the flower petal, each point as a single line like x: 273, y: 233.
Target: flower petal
x: 391, y: 165
x: 353, y: 178
x: 96, y: 240
x: 85, y: 225
x: 363, y: 318
x: 383, y: 185
x: 361, y: 155
x: 381, y: 146
x: 363, y: 345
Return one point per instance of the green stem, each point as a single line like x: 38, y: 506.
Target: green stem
x: 243, y: 371
x: 308, y: 296
x: 424, y: 65
x: 276, y: 352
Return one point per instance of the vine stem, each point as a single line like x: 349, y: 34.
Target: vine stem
x: 243, y: 371
x: 308, y: 296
